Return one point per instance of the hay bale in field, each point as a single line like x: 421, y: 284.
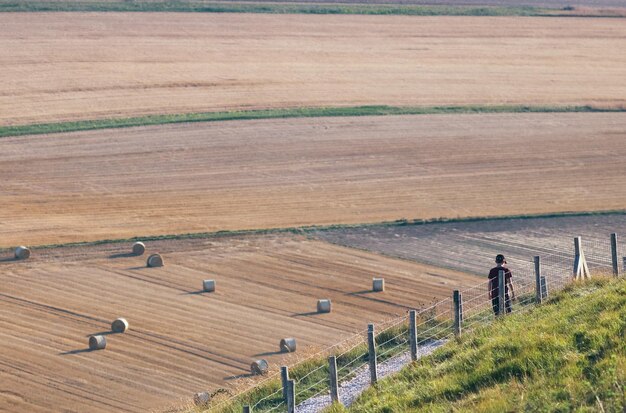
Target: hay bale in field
x: 155, y: 260
x: 288, y: 345
x: 202, y: 398
x: 259, y: 367
x: 208, y: 286
x: 139, y: 248
x: 120, y: 325
x: 378, y: 284
x: 22, y: 252
x: 323, y: 306
x: 97, y: 342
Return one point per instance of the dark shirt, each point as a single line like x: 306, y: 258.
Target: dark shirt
x: 493, y: 279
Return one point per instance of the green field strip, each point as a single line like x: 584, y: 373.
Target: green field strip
x: 315, y: 228
x: 273, y: 8
x: 381, y: 110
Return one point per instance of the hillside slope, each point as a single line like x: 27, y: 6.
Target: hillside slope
x: 567, y: 355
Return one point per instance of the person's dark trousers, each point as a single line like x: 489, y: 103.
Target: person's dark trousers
x: 495, y: 303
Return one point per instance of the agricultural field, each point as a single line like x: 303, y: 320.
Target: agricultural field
x: 79, y: 66
x: 181, y: 340
x: 204, y: 177
x: 471, y: 246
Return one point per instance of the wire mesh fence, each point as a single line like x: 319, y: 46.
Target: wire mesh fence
x: 434, y: 326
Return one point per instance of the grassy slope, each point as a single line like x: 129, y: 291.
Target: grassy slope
x: 568, y: 355
x: 382, y: 110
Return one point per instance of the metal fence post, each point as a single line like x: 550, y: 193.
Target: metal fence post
x: 334, y: 382
x: 284, y: 379
x: 614, y: 254
x: 538, y: 288
x: 581, y: 270
x: 458, y: 312
x: 291, y: 396
x: 501, y: 293
x: 371, y: 344
x: 413, y: 334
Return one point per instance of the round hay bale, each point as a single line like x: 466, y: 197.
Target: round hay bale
x: 288, y: 345
x: 259, y: 367
x: 97, y: 342
x: 155, y: 260
x: 378, y: 284
x: 208, y: 286
x: 202, y: 398
x: 323, y: 306
x: 120, y: 325
x: 139, y: 248
x: 22, y: 252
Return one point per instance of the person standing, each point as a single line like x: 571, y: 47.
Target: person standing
x: 494, y: 291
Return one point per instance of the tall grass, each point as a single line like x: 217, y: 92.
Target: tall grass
x: 568, y: 355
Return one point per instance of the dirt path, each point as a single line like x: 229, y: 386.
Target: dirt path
x: 67, y: 66
x: 182, y: 341
x: 280, y: 173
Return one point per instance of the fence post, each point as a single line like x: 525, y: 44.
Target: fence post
x: 246, y: 409
x: 581, y: 270
x: 291, y: 396
x: 501, y: 293
x: 457, y: 299
x: 334, y: 383
x: 284, y: 379
x: 614, y: 254
x: 538, y: 288
x: 544, y: 288
x: 371, y: 344
x: 413, y: 334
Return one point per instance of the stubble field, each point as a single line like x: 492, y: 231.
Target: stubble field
x: 202, y: 177
x: 69, y: 66
x: 180, y: 340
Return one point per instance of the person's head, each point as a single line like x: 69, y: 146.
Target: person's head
x: 500, y: 259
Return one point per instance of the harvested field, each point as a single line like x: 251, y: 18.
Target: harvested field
x: 279, y: 173
x: 181, y: 341
x: 70, y: 66
x: 472, y: 246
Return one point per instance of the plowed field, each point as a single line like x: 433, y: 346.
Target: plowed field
x: 68, y: 66
x: 279, y: 173
x: 180, y: 340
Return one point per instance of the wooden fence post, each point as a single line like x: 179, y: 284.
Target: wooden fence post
x: 291, y: 396
x: 334, y: 382
x: 371, y: 344
x: 581, y: 270
x: 501, y: 293
x: 413, y: 334
x: 458, y: 312
x: 614, y: 260
x: 284, y: 379
x: 246, y: 409
x: 538, y: 288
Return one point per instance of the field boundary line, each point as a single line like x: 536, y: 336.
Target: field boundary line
x: 302, y: 112
x: 304, y: 230
x: 300, y: 8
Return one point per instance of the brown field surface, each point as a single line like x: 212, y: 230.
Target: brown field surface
x: 174, y: 179
x: 67, y: 66
x: 181, y: 341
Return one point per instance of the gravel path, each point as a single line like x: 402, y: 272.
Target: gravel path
x: 351, y: 389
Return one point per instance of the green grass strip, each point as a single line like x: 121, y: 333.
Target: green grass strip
x: 276, y: 8
x: 382, y: 110
x: 316, y: 228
